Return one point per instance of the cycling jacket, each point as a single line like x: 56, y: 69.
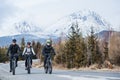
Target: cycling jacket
x: 28, y: 50
x: 13, y: 49
x: 47, y: 50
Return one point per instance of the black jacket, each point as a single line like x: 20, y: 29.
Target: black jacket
x: 48, y: 50
x: 13, y: 49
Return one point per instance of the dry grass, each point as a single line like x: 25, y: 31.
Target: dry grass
x: 37, y: 64
x: 94, y: 67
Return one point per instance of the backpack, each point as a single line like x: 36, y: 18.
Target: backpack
x: 30, y: 50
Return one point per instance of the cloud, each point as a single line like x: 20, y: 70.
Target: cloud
x: 46, y: 12
x: 31, y: 10
x: 23, y: 4
x: 6, y: 10
x: 14, y: 11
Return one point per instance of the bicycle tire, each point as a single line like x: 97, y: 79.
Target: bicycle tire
x: 28, y: 68
x: 50, y: 68
x: 13, y: 67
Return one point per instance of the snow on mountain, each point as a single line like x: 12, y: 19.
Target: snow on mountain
x: 29, y: 28
x: 25, y: 27
x: 85, y: 19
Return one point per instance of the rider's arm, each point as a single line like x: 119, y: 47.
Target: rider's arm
x: 24, y: 51
x: 33, y: 51
x: 19, y: 50
x: 8, y: 50
x: 53, y: 51
x: 43, y: 51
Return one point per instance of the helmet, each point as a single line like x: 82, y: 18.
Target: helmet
x: 28, y: 43
x: 48, y: 42
x: 14, y: 40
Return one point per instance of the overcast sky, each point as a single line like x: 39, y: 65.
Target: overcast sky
x: 46, y: 12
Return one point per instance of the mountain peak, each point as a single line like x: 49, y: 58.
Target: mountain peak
x: 25, y: 27
x: 85, y: 19
x: 86, y: 14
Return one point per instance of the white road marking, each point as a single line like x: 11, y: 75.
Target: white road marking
x: 87, y: 77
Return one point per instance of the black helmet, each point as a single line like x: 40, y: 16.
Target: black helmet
x: 14, y: 40
x: 28, y: 43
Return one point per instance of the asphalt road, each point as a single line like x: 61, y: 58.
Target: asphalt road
x: 38, y: 74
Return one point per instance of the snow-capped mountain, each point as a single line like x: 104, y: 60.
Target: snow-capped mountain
x: 28, y: 28
x: 85, y: 20
x: 25, y: 27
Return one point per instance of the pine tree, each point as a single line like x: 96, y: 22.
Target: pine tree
x: 80, y: 53
x: 91, y: 45
x: 60, y: 57
x: 75, y: 48
x: 22, y: 46
x: 106, y: 50
x: 93, y: 49
x: 33, y: 44
x: 34, y: 48
x: 71, y: 47
x: 38, y: 49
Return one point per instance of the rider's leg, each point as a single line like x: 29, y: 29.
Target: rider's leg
x: 25, y: 61
x: 45, y: 59
x: 16, y: 61
x: 31, y: 60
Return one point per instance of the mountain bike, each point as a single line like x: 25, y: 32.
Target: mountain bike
x: 28, y: 63
x: 48, y: 65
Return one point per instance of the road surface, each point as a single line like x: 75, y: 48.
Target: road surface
x: 38, y: 74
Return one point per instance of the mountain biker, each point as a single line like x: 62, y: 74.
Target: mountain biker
x: 28, y: 50
x: 47, y: 50
x: 13, y: 50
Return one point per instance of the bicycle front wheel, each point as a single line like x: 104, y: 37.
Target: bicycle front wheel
x: 50, y: 68
x: 46, y: 68
x: 28, y: 67
x: 13, y: 67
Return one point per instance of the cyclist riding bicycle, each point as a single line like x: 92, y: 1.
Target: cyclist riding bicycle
x: 47, y: 50
x: 13, y: 50
x: 28, y: 50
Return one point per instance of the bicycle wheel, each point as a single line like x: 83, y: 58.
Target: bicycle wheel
x: 46, y: 68
x: 50, y: 68
x: 28, y: 67
x: 13, y: 67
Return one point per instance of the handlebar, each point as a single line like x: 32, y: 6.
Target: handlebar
x: 16, y: 55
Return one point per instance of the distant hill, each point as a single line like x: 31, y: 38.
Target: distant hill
x: 6, y: 40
